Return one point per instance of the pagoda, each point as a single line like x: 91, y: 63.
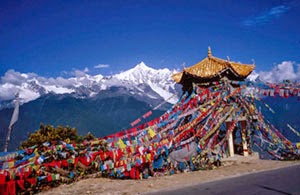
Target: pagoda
x: 211, y: 71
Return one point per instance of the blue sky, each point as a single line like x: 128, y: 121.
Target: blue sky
x: 54, y: 38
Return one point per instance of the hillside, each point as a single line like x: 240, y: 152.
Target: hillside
x: 100, y: 115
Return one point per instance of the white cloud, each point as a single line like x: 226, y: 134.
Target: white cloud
x: 102, y: 66
x: 79, y: 73
x: 60, y: 81
x: 13, y: 77
x: 76, y: 72
x: 282, y: 71
x: 8, y: 91
x: 266, y: 16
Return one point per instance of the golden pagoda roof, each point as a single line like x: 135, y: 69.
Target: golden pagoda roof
x: 212, y: 66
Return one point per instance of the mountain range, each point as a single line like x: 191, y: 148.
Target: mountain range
x: 145, y: 83
x: 98, y: 104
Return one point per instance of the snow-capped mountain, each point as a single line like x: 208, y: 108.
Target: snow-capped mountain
x: 141, y: 81
x: 142, y: 77
x: 253, y: 76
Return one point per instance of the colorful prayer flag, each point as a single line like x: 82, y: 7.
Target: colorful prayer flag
x: 121, y: 144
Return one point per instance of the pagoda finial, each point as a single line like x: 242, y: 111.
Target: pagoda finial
x: 209, y: 54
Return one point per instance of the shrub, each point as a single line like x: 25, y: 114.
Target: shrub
x: 49, y: 133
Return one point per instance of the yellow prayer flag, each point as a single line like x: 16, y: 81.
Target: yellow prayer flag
x: 151, y: 133
x: 11, y: 164
x: 57, y: 177
x: 121, y: 144
x: 36, y: 153
x: 148, y: 156
x: 94, y: 142
x: 68, y: 140
x: 298, y: 145
x: 165, y: 141
x: 132, y: 149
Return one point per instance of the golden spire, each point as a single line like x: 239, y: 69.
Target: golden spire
x: 209, y: 52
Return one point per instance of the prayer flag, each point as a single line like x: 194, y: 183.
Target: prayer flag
x: 147, y: 114
x: 11, y: 187
x: 11, y: 164
x: 15, y: 114
x: 21, y: 184
x: 135, y: 122
x: 294, y: 130
x: 121, y: 144
x: 49, y: 178
x: 55, y: 177
x: 151, y: 133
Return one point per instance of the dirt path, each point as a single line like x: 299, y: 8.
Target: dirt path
x: 231, y: 168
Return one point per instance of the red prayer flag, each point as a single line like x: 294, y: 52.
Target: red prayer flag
x: 132, y: 173
x: 135, y: 122
x: 11, y: 187
x: 147, y: 114
x: 76, y: 161
x: 49, y: 178
x: 21, y: 184
x: 151, y: 123
x: 64, y: 163
x: 3, y: 189
x: 2, y: 178
x: 32, y: 181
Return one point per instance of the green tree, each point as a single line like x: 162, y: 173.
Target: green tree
x: 49, y: 133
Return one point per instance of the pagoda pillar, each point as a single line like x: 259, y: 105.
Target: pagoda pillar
x: 244, y: 140
x: 230, y: 141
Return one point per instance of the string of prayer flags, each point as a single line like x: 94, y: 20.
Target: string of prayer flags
x: 294, y: 130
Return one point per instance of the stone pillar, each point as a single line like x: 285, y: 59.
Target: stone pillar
x: 230, y: 140
x: 244, y: 140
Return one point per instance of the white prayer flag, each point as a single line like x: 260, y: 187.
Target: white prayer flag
x: 15, y: 114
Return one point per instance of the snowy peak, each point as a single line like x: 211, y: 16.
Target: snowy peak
x: 253, y: 76
x: 159, y: 80
x: 142, y: 66
x: 141, y: 73
x: 136, y: 74
x: 141, y: 80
